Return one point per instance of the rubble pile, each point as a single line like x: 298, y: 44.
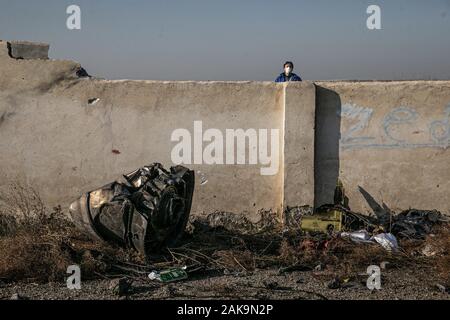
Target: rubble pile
x: 150, y: 210
x: 383, y: 228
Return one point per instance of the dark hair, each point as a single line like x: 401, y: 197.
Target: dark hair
x: 290, y: 63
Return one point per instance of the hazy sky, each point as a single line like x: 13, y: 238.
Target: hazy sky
x: 240, y: 39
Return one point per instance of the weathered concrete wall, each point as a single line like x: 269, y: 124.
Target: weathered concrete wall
x: 68, y: 134
x: 388, y: 141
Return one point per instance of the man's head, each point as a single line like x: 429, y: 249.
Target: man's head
x: 288, y: 67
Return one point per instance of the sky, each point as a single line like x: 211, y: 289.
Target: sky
x: 240, y: 39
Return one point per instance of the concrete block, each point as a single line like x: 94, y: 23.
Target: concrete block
x: 28, y: 50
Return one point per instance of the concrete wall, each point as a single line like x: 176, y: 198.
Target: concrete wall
x: 65, y: 134
x: 388, y: 141
x: 68, y: 135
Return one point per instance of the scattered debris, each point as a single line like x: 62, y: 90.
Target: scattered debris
x: 170, y: 275
x: 203, y: 178
x: 325, y: 219
x: 147, y: 211
x: 120, y: 287
x: 337, y: 217
x: 357, y: 236
x: 221, y: 243
x: 415, y: 224
x: 387, y: 241
x: 429, y: 251
x: 336, y: 283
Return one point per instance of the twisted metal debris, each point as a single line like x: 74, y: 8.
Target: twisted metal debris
x: 147, y: 211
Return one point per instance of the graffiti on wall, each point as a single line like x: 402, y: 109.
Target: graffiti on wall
x: 398, y: 128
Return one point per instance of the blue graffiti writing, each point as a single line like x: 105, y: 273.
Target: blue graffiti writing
x: 400, y: 117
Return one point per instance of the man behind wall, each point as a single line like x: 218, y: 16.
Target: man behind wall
x: 287, y: 75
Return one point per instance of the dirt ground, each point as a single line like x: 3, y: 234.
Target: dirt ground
x: 226, y: 256
x: 409, y: 284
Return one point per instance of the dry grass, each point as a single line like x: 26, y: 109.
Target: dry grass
x: 37, y: 244
x: 21, y: 201
x: 339, y: 256
x: 219, y: 248
x: 440, y: 244
x: 41, y: 249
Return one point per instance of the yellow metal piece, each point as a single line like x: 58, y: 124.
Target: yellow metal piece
x: 327, y: 221
x: 98, y: 197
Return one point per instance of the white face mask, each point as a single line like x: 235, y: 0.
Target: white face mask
x: 287, y: 70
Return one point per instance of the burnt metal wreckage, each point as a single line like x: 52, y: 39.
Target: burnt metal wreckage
x: 383, y: 228
x: 338, y: 217
x: 147, y: 211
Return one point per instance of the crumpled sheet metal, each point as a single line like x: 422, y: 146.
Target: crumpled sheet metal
x: 146, y: 211
x: 361, y: 236
x: 415, y: 223
x: 387, y: 240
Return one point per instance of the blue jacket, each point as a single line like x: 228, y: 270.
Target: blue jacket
x: 282, y: 78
